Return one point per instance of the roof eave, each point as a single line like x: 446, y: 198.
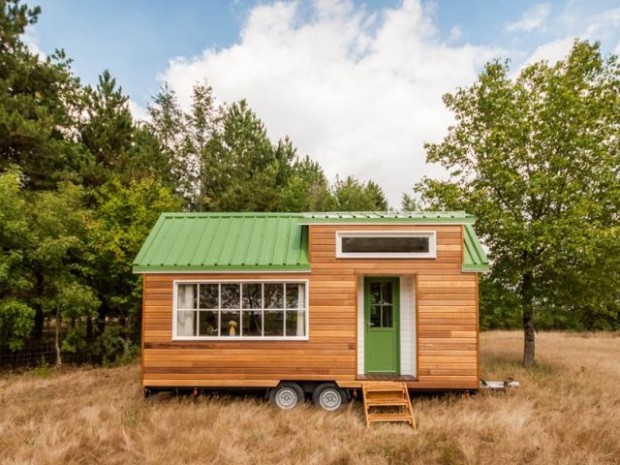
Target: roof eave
x: 430, y: 221
x: 145, y: 269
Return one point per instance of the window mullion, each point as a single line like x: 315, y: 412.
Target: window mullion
x: 197, y: 311
x: 240, y: 311
x: 262, y: 316
x: 219, y: 310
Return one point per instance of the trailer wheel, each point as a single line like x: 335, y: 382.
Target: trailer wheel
x: 286, y: 396
x: 329, y: 397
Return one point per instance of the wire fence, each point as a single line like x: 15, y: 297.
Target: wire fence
x: 38, y: 353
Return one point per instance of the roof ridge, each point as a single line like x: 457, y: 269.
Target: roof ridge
x: 233, y: 214
x: 318, y: 213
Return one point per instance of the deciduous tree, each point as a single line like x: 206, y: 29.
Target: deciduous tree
x: 537, y: 159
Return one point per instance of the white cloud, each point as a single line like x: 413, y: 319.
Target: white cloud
x: 31, y: 40
x: 553, y: 51
x: 455, y: 34
x: 603, y: 27
x: 534, y: 18
x: 359, y: 92
x: 138, y: 112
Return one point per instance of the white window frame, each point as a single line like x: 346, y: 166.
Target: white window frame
x: 431, y: 235
x: 306, y: 309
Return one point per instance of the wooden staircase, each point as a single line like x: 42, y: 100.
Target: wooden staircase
x: 387, y: 401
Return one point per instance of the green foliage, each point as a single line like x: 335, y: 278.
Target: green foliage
x: 65, y: 262
x: 239, y: 167
x: 408, y: 203
x: 15, y: 234
x: 536, y: 159
x: 106, y: 130
x: 42, y: 370
x: 351, y: 195
x: 16, y: 322
x: 37, y: 99
x: 499, y: 309
x: 76, y: 300
x: 82, y: 183
x: 182, y: 136
x: 117, y: 349
x: 42, y: 239
x: 225, y: 161
x: 307, y: 188
x: 14, y: 18
x: 123, y: 218
x: 16, y: 315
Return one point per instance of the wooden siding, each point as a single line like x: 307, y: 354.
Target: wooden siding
x: 447, y: 322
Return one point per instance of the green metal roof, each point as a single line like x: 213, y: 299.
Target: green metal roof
x: 212, y: 242
x: 225, y: 242
x: 474, y: 257
x: 421, y: 217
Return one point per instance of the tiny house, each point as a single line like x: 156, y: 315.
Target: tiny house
x: 310, y: 303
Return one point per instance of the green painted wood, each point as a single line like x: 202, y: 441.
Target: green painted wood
x: 474, y: 257
x: 381, y: 337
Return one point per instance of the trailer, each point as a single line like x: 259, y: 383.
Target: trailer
x: 310, y: 304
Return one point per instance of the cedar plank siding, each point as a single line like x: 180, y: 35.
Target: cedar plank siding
x: 446, y: 299
x: 447, y: 322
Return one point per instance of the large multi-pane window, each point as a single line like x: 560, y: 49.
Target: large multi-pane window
x: 241, y: 310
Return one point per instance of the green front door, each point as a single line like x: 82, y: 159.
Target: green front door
x: 382, y: 316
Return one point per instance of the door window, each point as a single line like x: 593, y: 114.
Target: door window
x: 381, y: 304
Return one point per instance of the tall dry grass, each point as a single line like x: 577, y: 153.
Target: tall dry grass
x: 567, y: 411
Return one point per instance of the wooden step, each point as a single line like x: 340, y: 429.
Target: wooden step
x: 389, y: 385
x: 386, y: 389
x: 393, y: 397
x: 386, y: 395
x: 387, y: 401
x: 388, y: 417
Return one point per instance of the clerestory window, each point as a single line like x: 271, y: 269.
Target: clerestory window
x: 385, y: 244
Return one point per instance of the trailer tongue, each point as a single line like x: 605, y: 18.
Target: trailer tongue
x: 508, y: 383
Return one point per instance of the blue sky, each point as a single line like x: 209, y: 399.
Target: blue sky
x: 355, y: 84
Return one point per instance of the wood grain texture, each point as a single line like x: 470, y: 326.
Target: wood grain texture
x: 447, y: 349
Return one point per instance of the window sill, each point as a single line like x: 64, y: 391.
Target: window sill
x: 238, y: 339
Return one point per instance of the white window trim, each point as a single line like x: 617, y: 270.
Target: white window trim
x: 431, y: 235
x: 240, y: 338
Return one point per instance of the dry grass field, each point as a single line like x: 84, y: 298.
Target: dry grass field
x: 567, y: 411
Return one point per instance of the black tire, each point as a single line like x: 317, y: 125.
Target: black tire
x: 286, y: 396
x: 329, y: 397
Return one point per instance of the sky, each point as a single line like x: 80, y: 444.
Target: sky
x: 357, y: 85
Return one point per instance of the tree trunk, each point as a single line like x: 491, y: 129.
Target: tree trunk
x: 529, y: 340
x: 57, y: 340
x: 39, y: 323
x: 529, y: 329
x: 89, y: 329
x: 39, y: 318
x: 101, y: 316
